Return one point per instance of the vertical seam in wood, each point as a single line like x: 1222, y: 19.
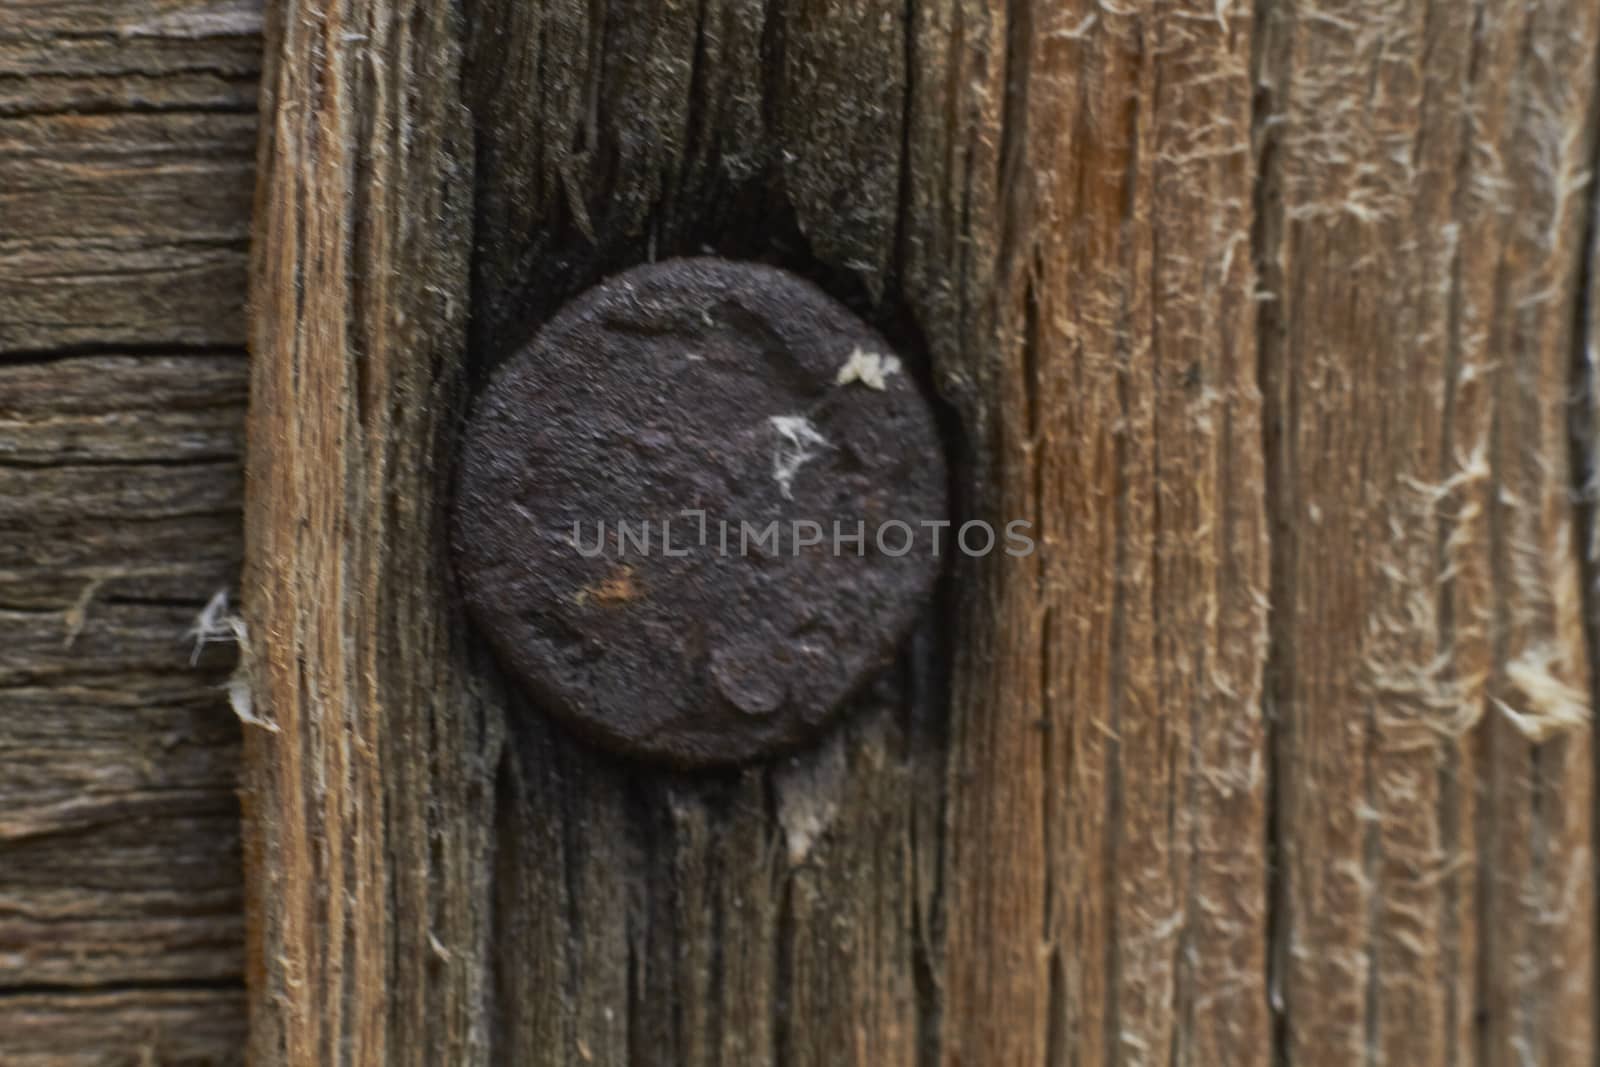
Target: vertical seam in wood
x: 1583, y: 424
x: 1501, y: 570
x: 1266, y: 227
x: 1114, y: 692
x: 1451, y: 764
x: 1371, y: 865
x: 784, y: 939
x: 899, y: 252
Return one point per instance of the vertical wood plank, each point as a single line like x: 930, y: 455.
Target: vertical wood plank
x: 369, y: 772
x: 1081, y: 184
x: 1428, y: 678
x: 769, y: 911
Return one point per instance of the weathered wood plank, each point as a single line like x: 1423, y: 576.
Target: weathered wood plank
x: 849, y: 939
x: 1434, y: 763
x: 123, y: 409
x: 176, y: 21
x: 139, y: 889
x: 119, y: 833
x: 367, y: 851
x: 82, y: 295
x: 1537, y: 842
x: 1585, y: 435
x: 119, y: 478
x: 757, y: 918
x: 96, y: 55
x: 124, y: 228
x: 153, y: 178
x: 51, y: 75
x: 120, y: 735
x: 118, y: 491
x: 174, y: 560
x: 127, y: 137
x: 1057, y: 847
x: 1080, y: 187
x: 180, y: 1028
x: 1140, y: 466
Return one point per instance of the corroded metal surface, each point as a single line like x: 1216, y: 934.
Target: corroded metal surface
x: 658, y: 501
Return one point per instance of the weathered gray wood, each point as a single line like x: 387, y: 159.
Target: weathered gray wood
x: 181, y: 1028
x: 119, y: 477
x: 59, y: 56
x: 124, y: 228
x: 126, y: 148
x: 122, y: 409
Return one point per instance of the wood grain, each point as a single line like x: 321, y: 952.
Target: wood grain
x: 182, y: 1028
x: 124, y: 228
x: 1276, y: 752
x: 367, y: 858
x: 1105, y: 873
x: 126, y: 143
x: 1429, y: 672
x: 65, y: 57
x: 1039, y: 913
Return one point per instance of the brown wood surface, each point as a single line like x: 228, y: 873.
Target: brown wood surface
x: 1433, y: 762
x: 127, y: 135
x: 1274, y: 320
x: 1277, y: 752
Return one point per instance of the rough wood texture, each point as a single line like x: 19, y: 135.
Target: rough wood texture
x: 119, y: 834
x: 124, y: 228
x: 85, y: 56
x: 126, y: 131
x: 1277, y: 751
x: 126, y: 137
x: 1422, y: 237
x: 173, y: 1028
x: 367, y: 852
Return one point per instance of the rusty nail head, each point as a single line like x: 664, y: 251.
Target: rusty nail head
x: 743, y: 394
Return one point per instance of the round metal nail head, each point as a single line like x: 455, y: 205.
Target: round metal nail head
x: 622, y: 480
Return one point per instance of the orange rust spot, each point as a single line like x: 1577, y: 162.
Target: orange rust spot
x: 618, y: 588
